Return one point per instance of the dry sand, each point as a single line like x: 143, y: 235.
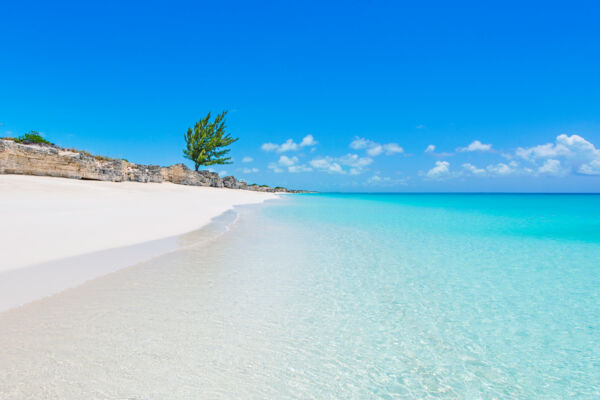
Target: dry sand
x: 49, y: 225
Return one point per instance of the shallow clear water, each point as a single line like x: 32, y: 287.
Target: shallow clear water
x: 336, y: 296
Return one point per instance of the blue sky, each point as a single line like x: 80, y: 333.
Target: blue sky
x: 508, y: 93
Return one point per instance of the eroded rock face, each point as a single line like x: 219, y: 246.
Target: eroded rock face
x: 256, y: 188
x: 16, y: 158
x: 182, y: 175
x: 232, y: 183
x: 27, y: 159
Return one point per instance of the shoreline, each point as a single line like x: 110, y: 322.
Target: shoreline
x: 58, y: 233
x: 22, y: 286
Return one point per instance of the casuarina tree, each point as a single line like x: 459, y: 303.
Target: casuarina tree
x: 207, y: 143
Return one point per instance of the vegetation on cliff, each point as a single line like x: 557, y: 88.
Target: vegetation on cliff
x: 33, y: 137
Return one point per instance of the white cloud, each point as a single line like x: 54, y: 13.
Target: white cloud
x: 247, y: 159
x: 576, y: 153
x: 250, y: 170
x: 275, y: 167
x: 336, y: 168
x: 431, y: 150
x: 287, y: 161
x: 354, y: 162
x: 473, y: 169
x: 269, y: 146
x: 500, y: 169
x: 392, y: 148
x: 476, y: 146
x: 320, y: 163
x: 308, y: 141
x: 542, y: 151
x: 299, y: 168
x: 290, y: 145
x: 360, y: 143
x: 327, y: 164
x: 551, y: 167
x: 591, y: 168
x: 577, y: 144
x: 374, y: 149
x: 223, y: 173
x: 441, y: 170
x: 565, y: 146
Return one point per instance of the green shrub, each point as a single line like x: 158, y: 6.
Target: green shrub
x: 32, y: 137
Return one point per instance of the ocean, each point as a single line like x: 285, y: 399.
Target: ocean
x: 335, y: 296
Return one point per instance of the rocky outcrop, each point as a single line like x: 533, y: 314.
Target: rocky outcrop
x: 182, y: 175
x: 48, y: 160
x: 25, y: 159
x: 232, y: 183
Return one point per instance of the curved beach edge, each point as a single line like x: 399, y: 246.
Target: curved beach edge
x: 59, y: 233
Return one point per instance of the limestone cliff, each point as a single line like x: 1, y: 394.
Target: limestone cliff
x: 47, y: 160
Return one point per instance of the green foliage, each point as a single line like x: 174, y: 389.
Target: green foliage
x: 33, y: 137
x: 206, y: 143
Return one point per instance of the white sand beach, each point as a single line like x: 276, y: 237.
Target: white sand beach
x: 46, y: 220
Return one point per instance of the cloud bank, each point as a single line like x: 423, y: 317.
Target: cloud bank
x: 475, y: 146
x: 289, y: 145
x: 374, y: 149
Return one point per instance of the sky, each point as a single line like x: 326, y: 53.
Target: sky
x: 376, y: 96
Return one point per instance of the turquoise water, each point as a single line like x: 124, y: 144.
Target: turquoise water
x: 459, y: 296
x: 335, y: 297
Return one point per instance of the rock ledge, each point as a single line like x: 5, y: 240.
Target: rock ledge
x: 44, y: 160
